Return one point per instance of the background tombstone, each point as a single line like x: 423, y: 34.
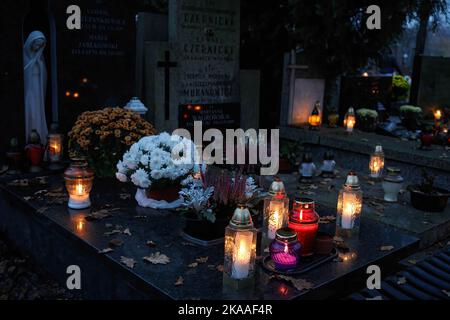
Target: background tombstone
x: 204, y: 36
x: 95, y: 66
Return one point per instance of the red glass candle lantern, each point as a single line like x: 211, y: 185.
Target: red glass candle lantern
x: 304, y: 220
x: 34, y: 151
x: 285, y: 250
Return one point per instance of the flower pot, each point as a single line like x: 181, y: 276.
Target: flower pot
x: 169, y: 193
x: 205, y: 230
x: 436, y: 201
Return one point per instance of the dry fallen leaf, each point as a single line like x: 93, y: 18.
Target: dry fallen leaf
x: 107, y: 250
x: 129, y: 262
x: 220, y: 268
x: 412, y: 261
x: 386, y: 248
x: 127, y: 232
x: 446, y: 292
x: 157, y: 258
x: 193, y: 265
x: 401, y: 281
x: 179, y: 282
x: 27, y: 198
x: 115, y: 243
x: 375, y: 298
x: 124, y: 196
x: 42, y: 210
x: 299, y: 284
x: 151, y: 244
x: 98, y: 215
x: 327, y: 219
x: 113, y: 232
x: 202, y: 259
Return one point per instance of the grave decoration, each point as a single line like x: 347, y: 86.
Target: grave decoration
x: 411, y: 116
x: 400, y: 88
x: 392, y: 184
x: 289, y: 156
x: 307, y: 168
x: 315, y: 119
x: 367, y: 119
x: 55, y: 141
x: 207, y: 203
x: 276, y: 212
x: 328, y: 165
x: 426, y: 197
x: 34, y: 151
x: 79, y: 179
x: 304, y: 220
x: 333, y: 118
x: 349, y: 207
x: 157, y: 165
x: 350, y: 120
x: 240, y: 251
x: 103, y: 136
x: 285, y: 250
x: 376, y: 163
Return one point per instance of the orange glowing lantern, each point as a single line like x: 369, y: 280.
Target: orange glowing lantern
x: 376, y: 164
x: 350, y: 120
x: 314, y: 119
x: 79, y: 179
x: 55, y: 147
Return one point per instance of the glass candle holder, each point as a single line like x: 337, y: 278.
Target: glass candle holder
x: 392, y: 184
x: 285, y: 250
x: 304, y: 220
x: 79, y: 179
x: 376, y: 164
x: 349, y: 207
x: 240, y: 251
x: 315, y: 118
x: 55, y: 148
x: 350, y: 120
x: 276, y: 212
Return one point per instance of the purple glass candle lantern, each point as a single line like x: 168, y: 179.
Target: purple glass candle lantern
x: 285, y: 250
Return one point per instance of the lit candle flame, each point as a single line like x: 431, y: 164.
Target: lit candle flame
x: 79, y: 189
x: 438, y: 115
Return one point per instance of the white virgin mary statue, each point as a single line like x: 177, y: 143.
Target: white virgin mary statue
x: 35, y: 84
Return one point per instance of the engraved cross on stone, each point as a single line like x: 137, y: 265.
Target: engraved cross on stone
x: 167, y: 65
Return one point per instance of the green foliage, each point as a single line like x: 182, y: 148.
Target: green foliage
x: 291, y: 151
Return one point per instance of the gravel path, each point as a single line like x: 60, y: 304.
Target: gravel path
x: 21, y: 280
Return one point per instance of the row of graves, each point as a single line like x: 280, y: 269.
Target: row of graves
x: 115, y: 194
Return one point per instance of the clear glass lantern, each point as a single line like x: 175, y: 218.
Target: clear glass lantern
x: 315, y: 118
x: 376, y: 164
x: 349, y: 207
x: 55, y: 147
x: 79, y: 179
x: 240, y: 251
x: 350, y: 120
x: 276, y: 212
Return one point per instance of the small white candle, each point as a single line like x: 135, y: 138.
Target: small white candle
x: 275, y: 220
x: 350, y: 124
x: 242, y: 255
x: 348, y: 210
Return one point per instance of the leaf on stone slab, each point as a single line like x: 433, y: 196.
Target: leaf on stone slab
x: 113, y: 232
x: 127, y: 232
x: 108, y: 225
x: 27, y: 198
x: 299, y: 284
x: 220, y: 268
x: 330, y: 187
x: 179, y: 281
x: 376, y: 298
x: 157, y: 258
x: 202, y: 259
x: 446, y: 292
x: 124, y: 196
x: 386, y: 248
x: 193, y: 265
x: 338, y: 239
x: 371, y: 182
x: 129, y: 262
x: 19, y: 183
x: 401, y: 281
x: 107, y: 250
x: 151, y: 244
x: 114, y: 243
x: 42, y: 209
x: 412, y: 261
x: 98, y: 215
x: 327, y: 219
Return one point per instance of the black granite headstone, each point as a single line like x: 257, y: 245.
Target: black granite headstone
x: 96, y: 64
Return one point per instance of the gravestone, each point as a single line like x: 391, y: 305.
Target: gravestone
x: 95, y: 66
x: 204, y: 37
x: 306, y: 93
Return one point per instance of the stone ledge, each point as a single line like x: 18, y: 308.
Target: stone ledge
x: 364, y: 143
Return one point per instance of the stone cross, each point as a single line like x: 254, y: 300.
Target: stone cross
x: 167, y: 65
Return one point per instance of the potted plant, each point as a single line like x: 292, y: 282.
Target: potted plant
x: 289, y: 156
x: 367, y: 119
x: 209, y: 202
x: 157, y: 165
x: 400, y: 88
x: 426, y: 196
x: 103, y: 136
x: 411, y: 116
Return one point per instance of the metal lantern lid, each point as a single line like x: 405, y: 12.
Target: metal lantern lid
x: 286, y: 235
x: 378, y: 149
x: 34, y: 137
x: 393, y: 175
x: 304, y: 201
x: 316, y: 109
x: 277, y: 187
x: 352, y: 181
x: 54, y: 128
x: 351, y: 111
x: 136, y: 105
x: 242, y: 219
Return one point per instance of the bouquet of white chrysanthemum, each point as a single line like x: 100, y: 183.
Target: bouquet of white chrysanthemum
x: 157, y: 162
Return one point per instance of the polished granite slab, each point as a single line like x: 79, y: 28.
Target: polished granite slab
x: 44, y: 228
